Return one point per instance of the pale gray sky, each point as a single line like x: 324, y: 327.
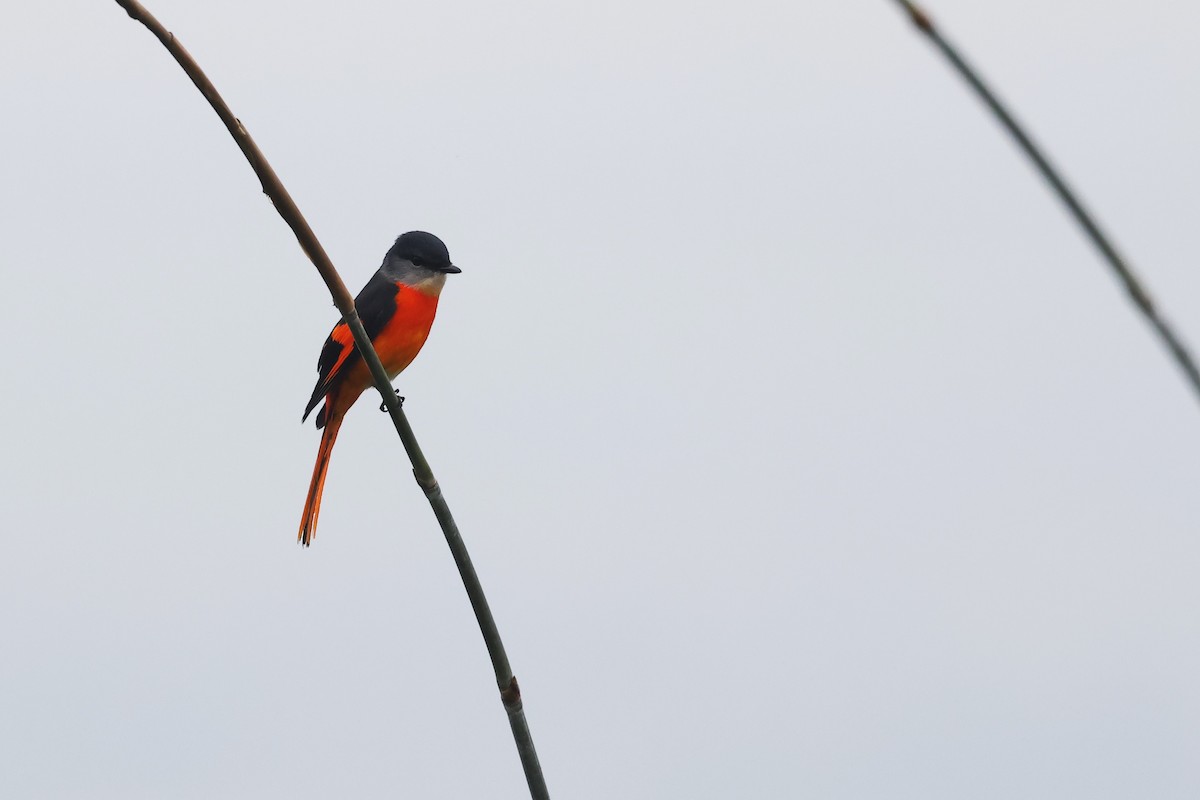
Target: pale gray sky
x: 804, y: 447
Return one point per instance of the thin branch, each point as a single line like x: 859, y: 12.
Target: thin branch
x: 1139, y: 295
x: 510, y: 694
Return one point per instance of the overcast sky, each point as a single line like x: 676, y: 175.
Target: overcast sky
x: 804, y: 447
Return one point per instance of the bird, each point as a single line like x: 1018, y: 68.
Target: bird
x: 397, y: 307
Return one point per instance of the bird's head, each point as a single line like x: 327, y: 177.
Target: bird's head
x: 419, y: 259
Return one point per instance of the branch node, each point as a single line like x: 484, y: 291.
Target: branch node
x: 511, y: 696
x: 919, y: 17
x: 428, y: 484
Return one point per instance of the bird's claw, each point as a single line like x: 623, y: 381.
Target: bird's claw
x: 399, y: 399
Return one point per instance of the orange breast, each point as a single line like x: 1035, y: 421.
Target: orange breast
x: 399, y: 342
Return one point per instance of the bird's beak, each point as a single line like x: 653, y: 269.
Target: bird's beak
x: 452, y: 270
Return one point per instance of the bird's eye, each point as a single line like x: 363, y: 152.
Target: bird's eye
x: 416, y: 262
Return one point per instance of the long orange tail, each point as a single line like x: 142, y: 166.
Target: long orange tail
x: 312, y: 506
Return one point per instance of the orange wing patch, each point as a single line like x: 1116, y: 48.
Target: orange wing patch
x: 340, y: 334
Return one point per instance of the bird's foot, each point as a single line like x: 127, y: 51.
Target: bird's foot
x: 399, y: 399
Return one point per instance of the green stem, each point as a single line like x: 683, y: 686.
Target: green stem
x: 1139, y: 295
x: 510, y: 694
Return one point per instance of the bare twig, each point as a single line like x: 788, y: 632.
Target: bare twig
x: 1139, y: 295
x: 510, y: 694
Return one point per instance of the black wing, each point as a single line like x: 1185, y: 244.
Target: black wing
x: 375, y: 304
